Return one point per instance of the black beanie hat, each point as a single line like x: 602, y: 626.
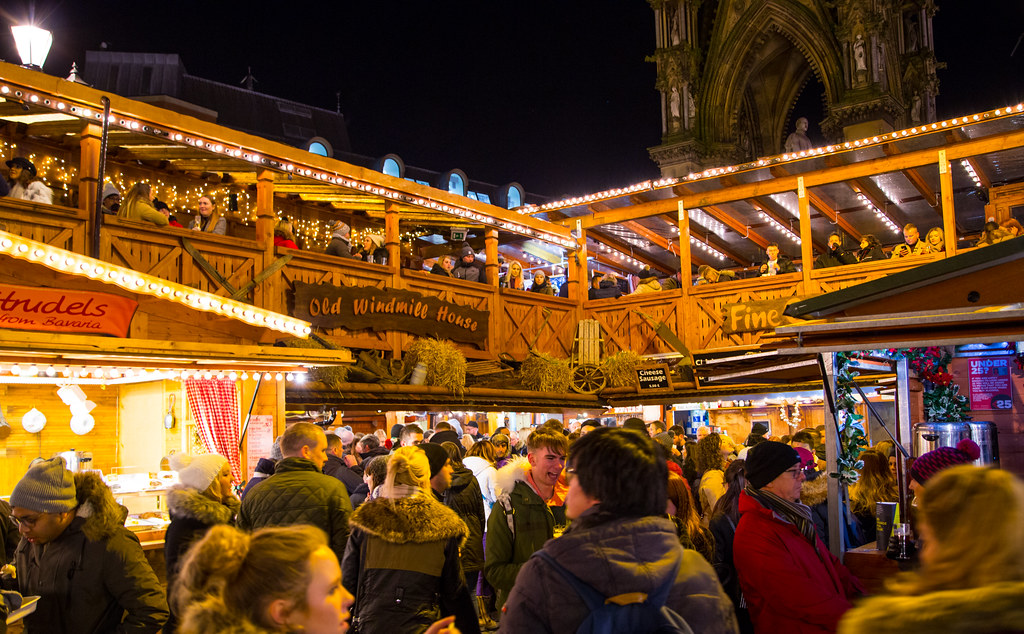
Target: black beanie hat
x: 436, y: 456
x: 767, y: 460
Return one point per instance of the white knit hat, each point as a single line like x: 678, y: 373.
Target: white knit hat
x: 198, y: 472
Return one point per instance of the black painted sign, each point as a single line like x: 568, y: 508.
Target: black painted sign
x: 359, y: 308
x: 653, y: 377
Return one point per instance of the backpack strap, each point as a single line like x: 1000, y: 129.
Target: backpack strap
x: 592, y: 598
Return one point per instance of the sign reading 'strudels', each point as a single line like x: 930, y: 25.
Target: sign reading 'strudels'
x: 63, y: 310
x: 358, y: 308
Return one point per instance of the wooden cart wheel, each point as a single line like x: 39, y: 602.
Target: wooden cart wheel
x: 588, y: 379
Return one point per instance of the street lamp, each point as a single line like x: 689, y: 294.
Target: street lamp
x: 33, y: 44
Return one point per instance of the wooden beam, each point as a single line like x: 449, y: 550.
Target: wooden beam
x: 916, y: 180
x: 824, y: 205
x: 776, y: 212
x: 727, y: 219
x: 817, y: 178
x: 633, y: 251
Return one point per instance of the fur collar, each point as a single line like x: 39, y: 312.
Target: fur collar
x: 418, y: 519
x: 994, y: 608
x: 103, y: 516
x: 183, y: 501
x: 815, y: 491
x: 515, y: 470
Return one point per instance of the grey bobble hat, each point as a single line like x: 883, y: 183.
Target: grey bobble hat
x: 47, y: 487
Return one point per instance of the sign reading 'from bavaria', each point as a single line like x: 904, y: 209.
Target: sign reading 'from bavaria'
x: 63, y: 310
x: 358, y: 308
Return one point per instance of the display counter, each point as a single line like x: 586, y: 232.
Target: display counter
x: 871, y: 566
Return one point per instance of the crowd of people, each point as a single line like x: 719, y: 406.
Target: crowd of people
x: 540, y: 530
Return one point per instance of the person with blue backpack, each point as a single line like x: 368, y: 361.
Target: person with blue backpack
x: 619, y: 567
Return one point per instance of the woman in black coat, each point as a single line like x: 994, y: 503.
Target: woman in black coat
x: 870, y: 249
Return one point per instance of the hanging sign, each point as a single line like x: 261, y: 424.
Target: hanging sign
x: 358, y: 308
x: 259, y: 441
x: 653, y: 378
x: 63, y: 310
x: 990, y: 383
x: 458, y: 234
x: 765, y: 314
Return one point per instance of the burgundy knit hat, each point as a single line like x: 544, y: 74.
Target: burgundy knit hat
x: 926, y: 466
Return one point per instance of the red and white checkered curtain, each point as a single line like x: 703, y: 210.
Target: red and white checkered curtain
x: 214, y: 406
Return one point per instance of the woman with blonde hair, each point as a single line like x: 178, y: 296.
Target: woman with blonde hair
x: 971, y: 577
x: 138, y: 205
x: 209, y: 218
x: 711, y: 466
x: 402, y: 558
x: 283, y: 236
x: 514, y: 277
x: 936, y: 240
x: 876, y: 484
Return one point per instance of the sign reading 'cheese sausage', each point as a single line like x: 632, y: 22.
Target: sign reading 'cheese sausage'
x: 62, y: 310
x: 358, y: 308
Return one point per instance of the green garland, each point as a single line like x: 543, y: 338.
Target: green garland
x: 851, y: 433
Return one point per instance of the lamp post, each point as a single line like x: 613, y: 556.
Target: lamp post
x: 33, y: 44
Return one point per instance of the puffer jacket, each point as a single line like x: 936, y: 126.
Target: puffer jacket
x: 790, y: 584
x: 94, y: 577
x: 9, y: 536
x: 519, y: 524
x: 485, y: 475
x: 998, y: 607
x: 402, y: 566
x: 192, y: 515
x: 298, y: 493
x: 464, y: 497
x: 649, y: 285
x: 616, y: 557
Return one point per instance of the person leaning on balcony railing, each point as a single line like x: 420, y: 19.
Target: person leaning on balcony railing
x: 340, y: 236
x: 836, y: 254
x: 992, y: 234
x: 912, y: 243
x: 444, y: 266
x: 283, y: 236
x: 162, y: 207
x: 776, y: 264
x: 138, y: 205
x: 111, y: 199
x: 209, y: 218
x: 541, y: 283
x: 513, y: 278
x: 870, y: 249
x: 23, y: 183
x: 1013, y: 226
x: 648, y: 282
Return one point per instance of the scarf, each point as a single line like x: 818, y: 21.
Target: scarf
x: 798, y: 514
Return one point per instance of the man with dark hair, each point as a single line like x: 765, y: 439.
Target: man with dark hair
x: 529, y: 511
x: 620, y: 542
x: 836, y: 255
x: 298, y: 493
x: 443, y: 426
x: 655, y: 427
x: 473, y: 430
x: 412, y: 435
x: 790, y: 580
x: 336, y: 467
x: 589, y: 426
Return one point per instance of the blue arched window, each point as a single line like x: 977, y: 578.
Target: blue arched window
x: 515, y: 197
x: 319, y: 145
x: 391, y: 167
x: 318, y: 148
x: 456, y: 185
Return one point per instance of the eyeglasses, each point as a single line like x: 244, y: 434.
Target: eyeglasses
x: 27, y: 522
x: 795, y: 472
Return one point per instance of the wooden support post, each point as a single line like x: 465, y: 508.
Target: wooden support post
x: 948, y: 212
x: 806, y: 239
x: 89, y: 170
x: 491, y: 255
x: 904, y: 434
x: 265, y: 221
x: 685, y: 257
x: 836, y: 523
x: 576, y: 273
x: 392, y: 234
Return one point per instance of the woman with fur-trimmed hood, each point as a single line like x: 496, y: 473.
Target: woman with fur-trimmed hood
x: 402, y: 558
x: 202, y: 500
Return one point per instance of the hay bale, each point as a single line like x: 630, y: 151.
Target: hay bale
x: 620, y: 368
x: 330, y: 375
x: 446, y: 365
x: 544, y: 373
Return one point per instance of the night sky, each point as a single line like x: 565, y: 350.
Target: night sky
x: 554, y: 94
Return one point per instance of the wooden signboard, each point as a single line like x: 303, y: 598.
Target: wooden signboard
x: 63, y: 310
x: 358, y: 308
x: 756, y: 316
x: 653, y: 377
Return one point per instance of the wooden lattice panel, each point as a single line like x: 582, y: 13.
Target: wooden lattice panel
x: 626, y: 330
x: 520, y: 320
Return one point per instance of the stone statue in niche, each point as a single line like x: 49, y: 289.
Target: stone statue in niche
x: 673, y: 102
x: 798, y: 141
x: 910, y: 26
x: 915, y: 109
x: 691, y: 107
x: 859, y: 59
x: 673, y: 27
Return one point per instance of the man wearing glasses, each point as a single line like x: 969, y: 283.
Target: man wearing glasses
x: 77, y: 555
x: 790, y: 580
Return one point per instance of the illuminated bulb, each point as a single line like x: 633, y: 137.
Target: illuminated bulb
x: 233, y: 376
x: 245, y: 376
x: 50, y: 371
x: 278, y: 377
x: 267, y: 377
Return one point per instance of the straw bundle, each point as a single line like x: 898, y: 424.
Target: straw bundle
x: 544, y: 373
x: 446, y: 365
x: 620, y: 368
x: 330, y: 375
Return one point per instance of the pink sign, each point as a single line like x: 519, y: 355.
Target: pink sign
x: 259, y: 440
x: 990, y: 383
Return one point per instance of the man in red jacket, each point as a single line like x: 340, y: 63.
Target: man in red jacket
x: 790, y: 581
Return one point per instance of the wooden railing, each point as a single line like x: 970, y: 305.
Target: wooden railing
x: 517, y: 318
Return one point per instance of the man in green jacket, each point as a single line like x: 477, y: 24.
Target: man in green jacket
x: 298, y: 492
x: 529, y: 511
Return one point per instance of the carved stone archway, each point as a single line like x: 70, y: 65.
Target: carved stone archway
x: 730, y: 72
